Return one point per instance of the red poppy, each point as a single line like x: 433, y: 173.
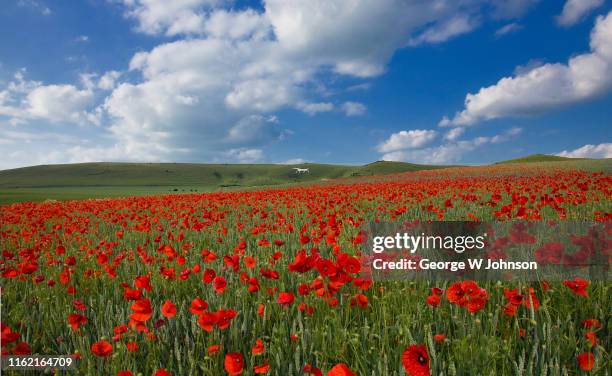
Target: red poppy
x: 258, y: 348
x: 162, y: 372
x: 416, y: 360
x: 285, y: 298
x: 219, y: 284
x: 124, y: 373
x: 341, y: 369
x: 578, y: 286
x: 22, y: 348
x: 439, y: 337
x: 261, y: 369
x: 592, y: 338
x: 102, y: 349
x: 309, y: 369
x: 75, y: 320
x: 360, y: 300
x: 234, y: 363
x: 198, y: 306
x: 586, y: 361
x: 142, y: 310
x: 168, y: 309
x: 213, y: 349
x: 132, y: 346
x: 433, y: 300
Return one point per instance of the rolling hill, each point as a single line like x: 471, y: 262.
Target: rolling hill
x: 187, y: 174
x: 540, y: 158
x: 97, y: 180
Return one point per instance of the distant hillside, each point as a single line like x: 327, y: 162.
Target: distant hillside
x: 186, y: 174
x: 539, y: 158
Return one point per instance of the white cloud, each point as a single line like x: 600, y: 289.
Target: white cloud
x: 168, y: 17
x: 224, y: 71
x: 450, y: 152
x: 575, y: 10
x: 589, y: 151
x: 314, y: 108
x: 547, y: 86
x: 294, y: 161
x: 354, y: 108
x: 108, y: 81
x: 411, y: 139
x: 442, y: 31
x: 237, y: 25
x: 454, y: 134
x: 512, y: 27
x: 243, y: 155
x: 23, y: 101
x: 82, y: 39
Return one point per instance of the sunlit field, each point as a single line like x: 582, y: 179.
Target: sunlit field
x: 270, y: 281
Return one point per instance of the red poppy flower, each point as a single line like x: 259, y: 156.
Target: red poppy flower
x: 143, y: 282
x: 132, y: 346
x: 360, y: 300
x: 198, y: 306
x: 341, y: 369
x: 162, y: 372
x: 591, y: 337
x: 586, y: 361
x: 261, y: 369
x: 285, y: 298
x: 207, y: 321
x: 219, y: 284
x: 213, y: 349
x: 234, y: 363
x: 433, y: 300
x: 439, y: 337
x: 309, y: 369
x: 124, y: 373
x: 416, y: 360
x: 22, y: 348
x: 259, y: 347
x: 75, y: 320
x: 142, y: 310
x: 168, y: 309
x: 102, y: 349
x: 578, y: 286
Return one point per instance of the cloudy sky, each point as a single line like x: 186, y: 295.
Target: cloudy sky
x: 335, y: 81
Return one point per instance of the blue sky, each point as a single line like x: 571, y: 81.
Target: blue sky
x: 280, y: 81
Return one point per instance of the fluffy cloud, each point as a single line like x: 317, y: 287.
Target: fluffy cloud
x: 576, y: 10
x: 23, y: 101
x: 314, y: 108
x: 214, y: 84
x: 450, y: 152
x: 589, y: 151
x: 547, y: 86
x: 354, y: 108
x: 411, y: 139
x: 454, y: 134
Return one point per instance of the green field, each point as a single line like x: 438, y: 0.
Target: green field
x: 97, y: 180
x: 540, y: 158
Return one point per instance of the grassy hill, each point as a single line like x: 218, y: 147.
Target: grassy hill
x: 539, y: 158
x: 91, y: 180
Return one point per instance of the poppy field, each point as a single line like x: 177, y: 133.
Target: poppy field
x: 270, y: 281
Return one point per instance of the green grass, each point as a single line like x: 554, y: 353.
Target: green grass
x: 97, y: 180
x: 540, y: 158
